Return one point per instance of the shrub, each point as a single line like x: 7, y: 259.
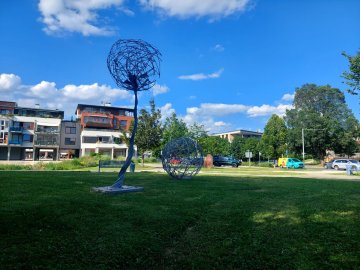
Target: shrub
x: 10, y: 167
x: 40, y: 166
x: 265, y: 164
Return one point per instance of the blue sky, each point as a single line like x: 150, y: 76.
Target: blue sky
x: 226, y: 64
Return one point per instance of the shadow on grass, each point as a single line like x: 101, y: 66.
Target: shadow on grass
x: 52, y: 220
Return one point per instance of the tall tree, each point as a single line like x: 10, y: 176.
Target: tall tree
x: 197, y: 131
x: 215, y: 145
x: 173, y: 128
x: 347, y: 145
x: 321, y: 111
x: 352, y: 76
x: 252, y: 144
x: 238, y: 147
x: 148, y: 137
x: 273, y: 143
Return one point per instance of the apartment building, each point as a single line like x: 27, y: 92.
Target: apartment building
x: 29, y: 133
x: 239, y: 133
x: 70, y: 139
x: 103, y: 129
x: 6, y: 110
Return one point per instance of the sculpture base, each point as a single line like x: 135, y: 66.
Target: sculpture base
x: 116, y: 190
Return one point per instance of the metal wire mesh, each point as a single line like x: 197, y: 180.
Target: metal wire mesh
x: 182, y: 158
x: 134, y: 64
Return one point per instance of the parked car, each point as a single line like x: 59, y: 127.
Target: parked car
x: 340, y: 164
x: 226, y: 161
x: 293, y: 163
x: 328, y: 165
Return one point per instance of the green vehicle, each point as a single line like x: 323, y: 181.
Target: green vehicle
x: 226, y: 161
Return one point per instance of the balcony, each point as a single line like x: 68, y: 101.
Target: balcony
x: 15, y: 142
x: 46, y: 143
x: 16, y: 129
x: 47, y: 130
x: 94, y: 124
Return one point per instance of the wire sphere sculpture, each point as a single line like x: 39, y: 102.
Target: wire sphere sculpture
x: 134, y: 64
x: 182, y: 158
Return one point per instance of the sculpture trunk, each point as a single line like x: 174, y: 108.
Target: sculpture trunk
x: 121, y: 176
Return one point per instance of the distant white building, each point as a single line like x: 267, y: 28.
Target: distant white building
x: 238, y: 133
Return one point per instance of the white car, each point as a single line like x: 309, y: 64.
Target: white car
x: 340, y: 164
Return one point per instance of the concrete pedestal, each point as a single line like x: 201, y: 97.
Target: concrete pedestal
x: 116, y: 190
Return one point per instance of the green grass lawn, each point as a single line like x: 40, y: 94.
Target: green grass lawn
x: 51, y: 220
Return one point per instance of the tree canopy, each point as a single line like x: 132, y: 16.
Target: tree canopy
x: 173, y: 128
x: 215, y: 145
x: 148, y: 137
x: 238, y: 148
x: 197, y: 131
x: 273, y: 143
x: 352, y: 77
x: 321, y: 111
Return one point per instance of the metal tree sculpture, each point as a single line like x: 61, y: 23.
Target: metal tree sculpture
x: 135, y: 66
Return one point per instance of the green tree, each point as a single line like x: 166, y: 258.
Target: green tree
x: 197, y: 131
x: 323, y: 113
x: 252, y: 144
x: 148, y: 137
x: 215, y: 145
x: 173, y: 128
x: 352, y: 76
x: 347, y: 145
x: 238, y: 147
x: 273, y: 143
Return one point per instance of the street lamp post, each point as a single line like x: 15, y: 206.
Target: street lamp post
x: 303, y: 143
x: 303, y: 139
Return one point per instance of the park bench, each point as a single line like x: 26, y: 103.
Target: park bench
x: 110, y: 164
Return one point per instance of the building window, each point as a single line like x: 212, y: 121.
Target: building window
x: 123, y: 124
x: 5, y: 112
x: 15, y: 138
x: 105, y: 139
x: 27, y: 138
x: 89, y: 139
x: 70, y: 141
x: 114, y: 123
x: 70, y: 130
x: 28, y: 125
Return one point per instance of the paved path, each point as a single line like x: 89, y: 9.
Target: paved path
x: 317, y: 173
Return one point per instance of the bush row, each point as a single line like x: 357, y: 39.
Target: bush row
x: 73, y: 164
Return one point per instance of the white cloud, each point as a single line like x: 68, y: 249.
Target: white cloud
x: 9, y: 81
x: 220, y: 124
x: 265, y: 110
x: 166, y: 111
x: 218, y: 48
x: 208, y: 114
x: 75, y: 16
x: 66, y: 98
x: 159, y: 89
x: 202, y: 76
x: 197, y: 8
x: 288, y: 97
x: 41, y: 90
x: 219, y: 109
